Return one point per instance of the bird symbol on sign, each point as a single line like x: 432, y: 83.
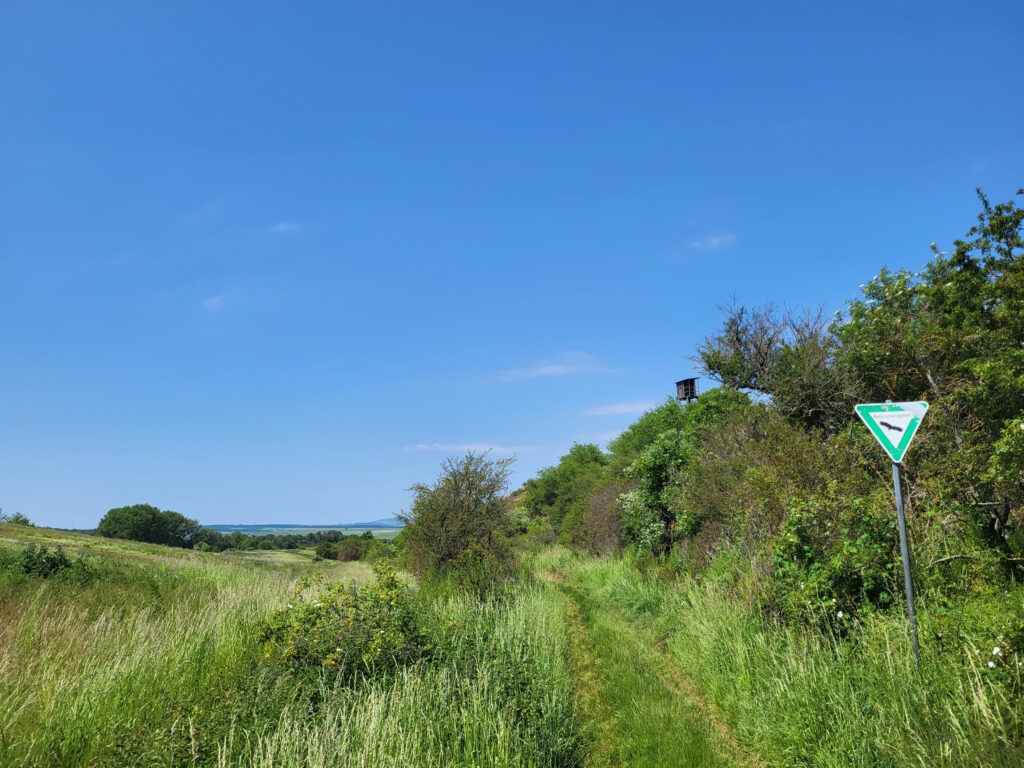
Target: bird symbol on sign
x: 891, y: 427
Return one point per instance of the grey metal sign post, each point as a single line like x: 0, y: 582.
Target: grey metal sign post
x: 894, y: 426
x: 908, y: 584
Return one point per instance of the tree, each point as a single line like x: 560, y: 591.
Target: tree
x: 325, y: 550
x: 144, y: 522
x: 792, y: 359
x: 952, y: 334
x: 640, y: 434
x: 647, y: 519
x: 17, y: 518
x: 460, y: 522
x: 555, y: 491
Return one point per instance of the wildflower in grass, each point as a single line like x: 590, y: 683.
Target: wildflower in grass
x: 991, y: 665
x: 997, y: 651
x: 840, y: 614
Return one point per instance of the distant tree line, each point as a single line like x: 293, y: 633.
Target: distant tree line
x: 352, y: 547
x: 144, y: 522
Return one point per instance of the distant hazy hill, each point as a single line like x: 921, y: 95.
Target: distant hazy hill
x: 384, y: 522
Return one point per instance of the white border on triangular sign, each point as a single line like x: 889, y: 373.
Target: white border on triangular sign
x: 871, y: 414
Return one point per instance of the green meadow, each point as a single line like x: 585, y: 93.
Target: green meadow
x: 141, y: 654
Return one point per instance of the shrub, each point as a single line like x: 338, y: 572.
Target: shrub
x: 831, y: 561
x: 346, y: 632
x: 641, y: 522
x: 378, y: 550
x: 326, y: 550
x: 573, y: 533
x: 17, y: 518
x: 43, y: 561
x: 461, y: 522
x: 353, y: 548
x: 555, y: 490
x: 479, y: 571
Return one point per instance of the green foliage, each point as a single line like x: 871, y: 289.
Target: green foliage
x: 346, y: 631
x: 855, y: 682
x: 1006, y: 473
x: 654, y: 513
x: 156, y: 662
x: 640, y: 434
x: 42, y: 561
x: 480, y: 571
x: 952, y: 334
x: 496, y: 690
x: 15, y: 519
x: 352, y: 548
x: 642, y: 522
x: 828, y: 562
x: 791, y: 358
x: 461, y: 521
x: 647, y: 519
x: 144, y: 522
x: 710, y: 409
x: 556, y: 489
x: 573, y: 531
x: 326, y: 550
x: 656, y: 468
x: 378, y: 550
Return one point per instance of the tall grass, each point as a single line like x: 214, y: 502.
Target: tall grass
x: 800, y: 698
x: 133, y: 664
x: 154, y: 659
x: 497, y: 693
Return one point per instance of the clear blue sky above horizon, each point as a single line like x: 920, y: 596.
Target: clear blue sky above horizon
x: 273, y: 262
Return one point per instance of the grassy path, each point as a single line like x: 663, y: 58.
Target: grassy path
x: 638, y: 709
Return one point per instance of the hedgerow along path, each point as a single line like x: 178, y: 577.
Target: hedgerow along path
x: 637, y: 708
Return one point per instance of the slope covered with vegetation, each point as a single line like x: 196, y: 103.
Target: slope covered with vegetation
x: 122, y: 653
x: 758, y: 522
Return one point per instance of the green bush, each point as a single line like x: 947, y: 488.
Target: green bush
x: 326, y: 550
x: 458, y: 528
x: 830, y: 563
x: 555, y: 490
x: 573, y: 532
x: 642, y: 523
x: 478, y: 571
x: 42, y: 561
x: 346, y: 632
x: 378, y: 550
x: 17, y: 518
x: 353, y: 548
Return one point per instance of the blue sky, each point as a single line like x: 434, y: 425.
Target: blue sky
x: 273, y: 262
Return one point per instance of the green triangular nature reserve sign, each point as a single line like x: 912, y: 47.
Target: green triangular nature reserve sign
x: 893, y: 424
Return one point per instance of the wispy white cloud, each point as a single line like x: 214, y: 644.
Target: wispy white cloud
x: 568, y: 364
x: 474, y: 447
x: 713, y: 242
x: 214, y: 303
x: 286, y: 227
x: 632, y: 408
x: 979, y: 165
